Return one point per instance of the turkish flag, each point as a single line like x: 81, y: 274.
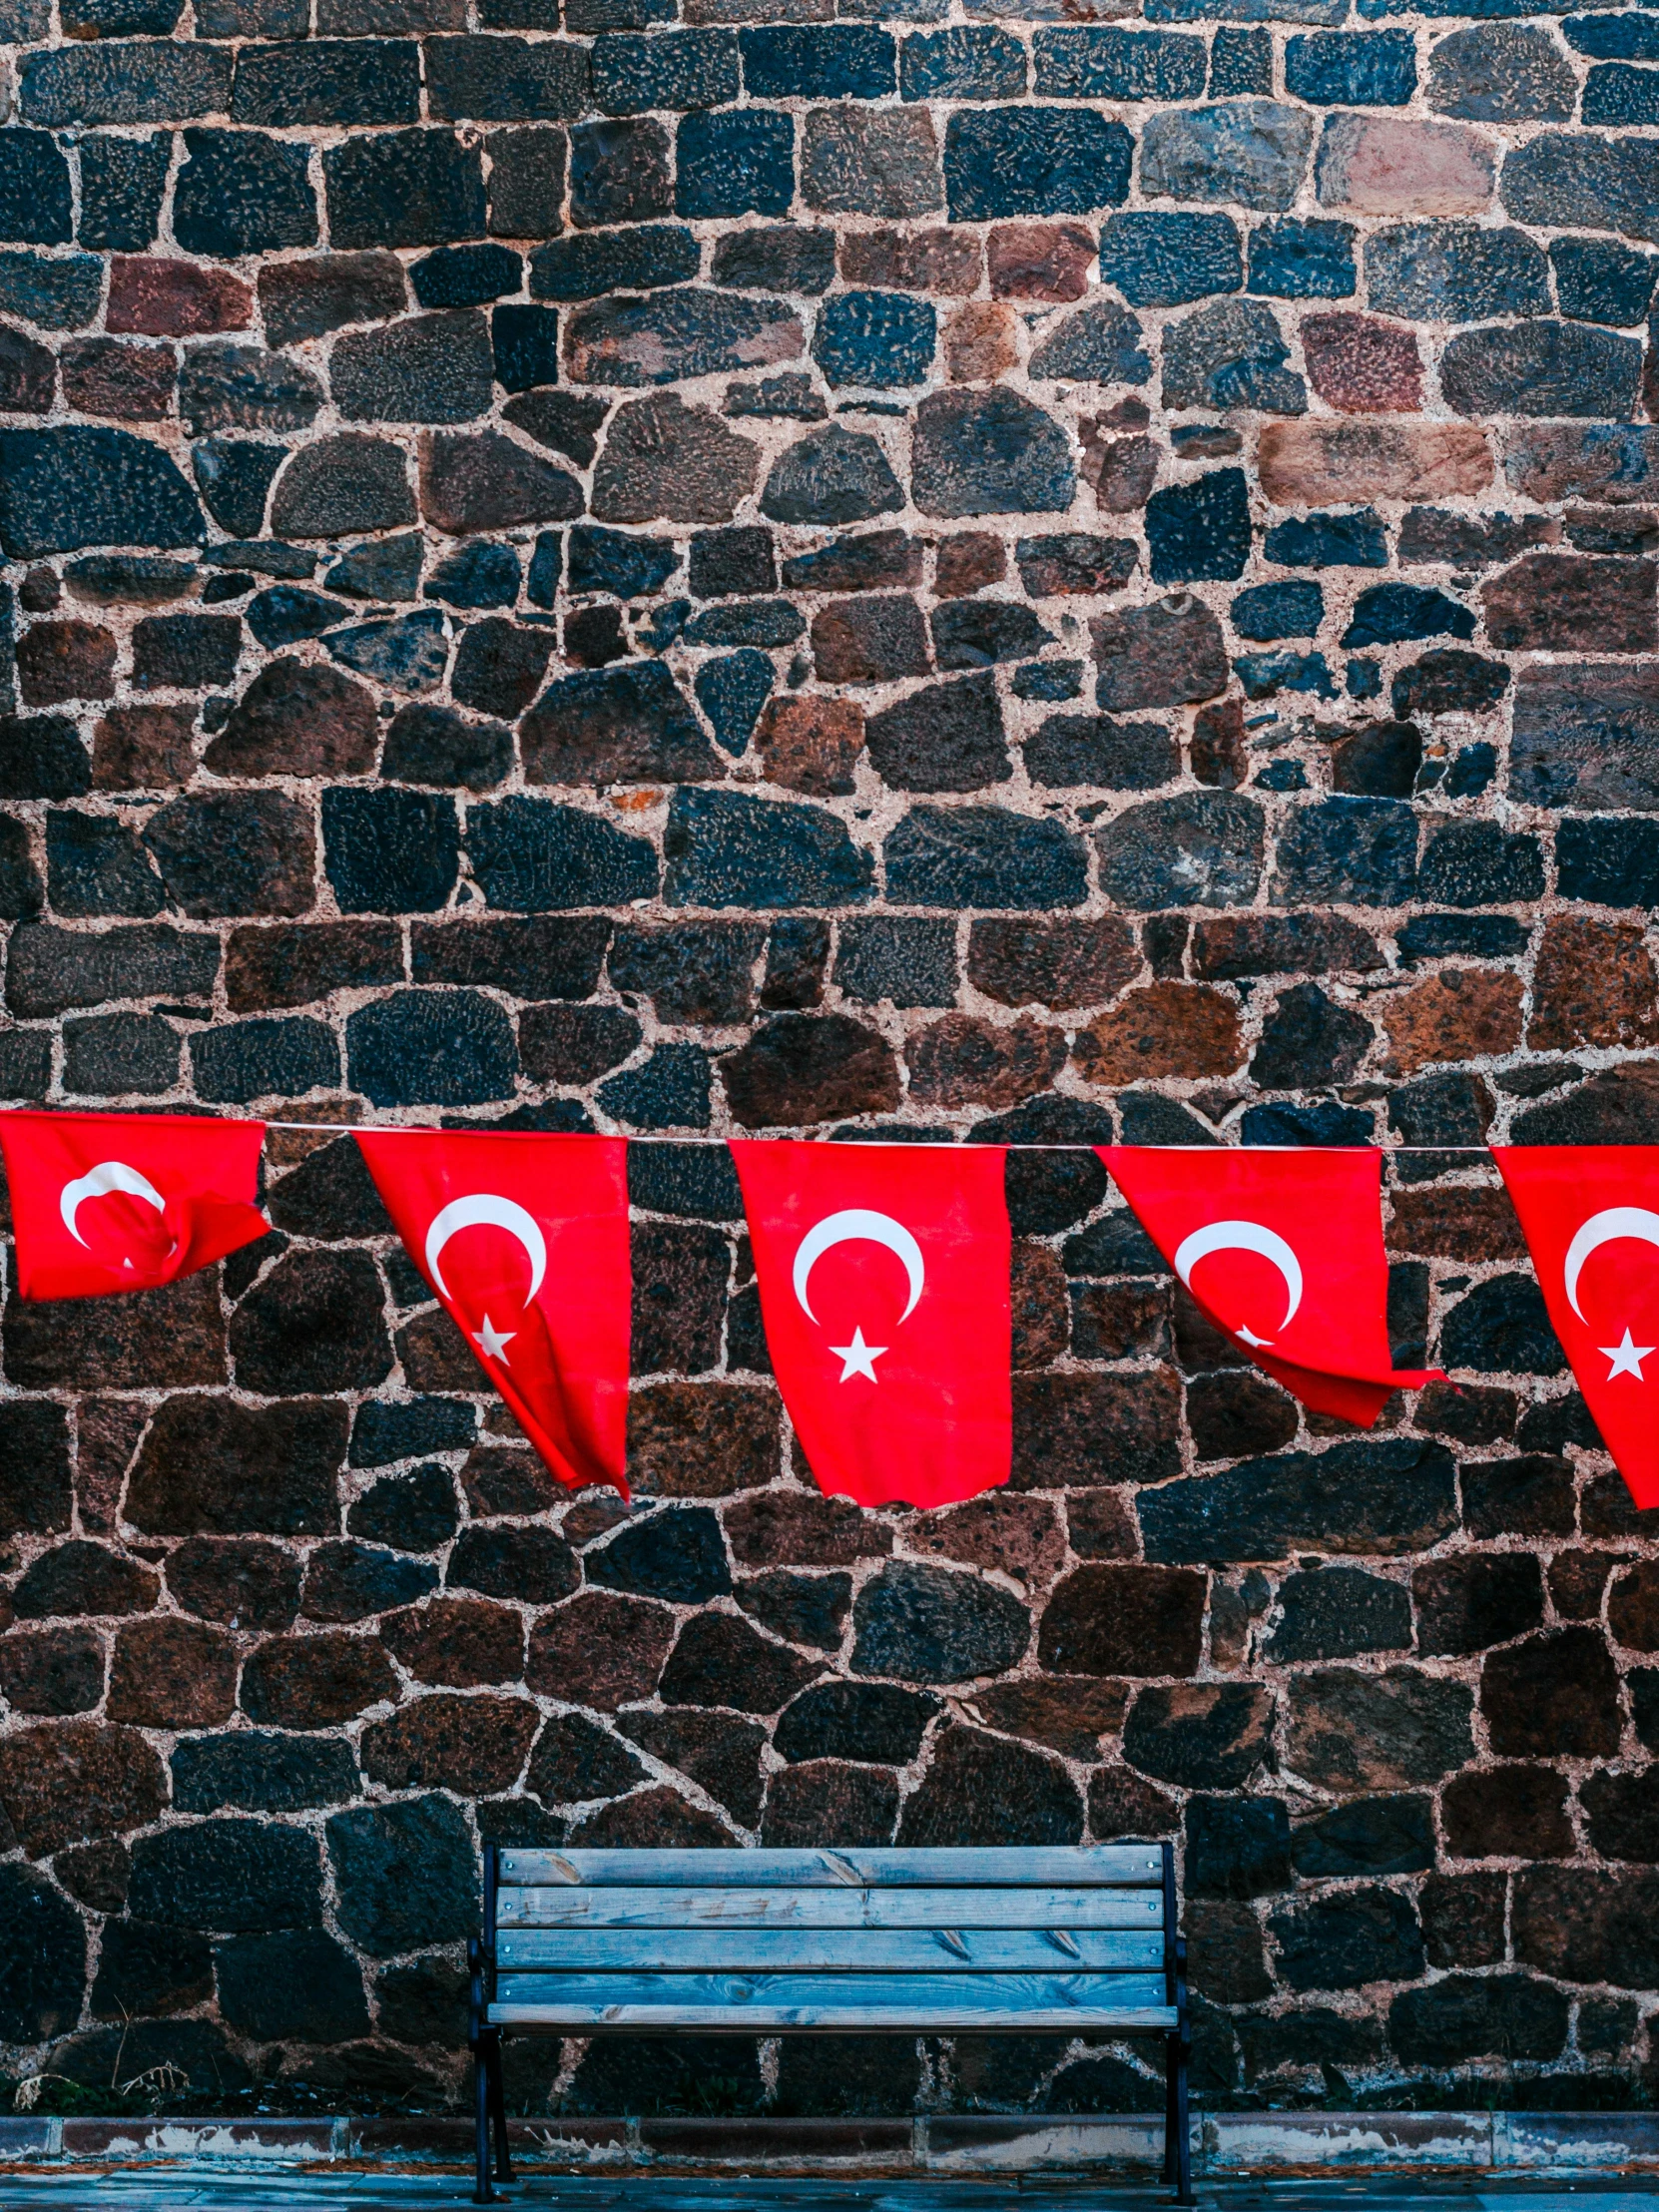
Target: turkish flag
x: 524, y: 1240
x: 884, y: 1278
x: 1283, y: 1251
x: 1591, y: 1218
x: 103, y: 1203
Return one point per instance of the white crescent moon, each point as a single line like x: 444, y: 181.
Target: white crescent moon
x: 1600, y: 1228
x: 858, y: 1222
x: 98, y: 1182
x: 501, y: 1212
x: 1244, y: 1236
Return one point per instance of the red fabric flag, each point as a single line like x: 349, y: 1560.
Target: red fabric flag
x: 524, y: 1240
x: 104, y: 1203
x: 884, y: 1276
x: 1283, y: 1251
x: 1591, y: 1216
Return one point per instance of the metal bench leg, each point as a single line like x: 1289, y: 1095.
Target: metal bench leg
x: 1182, y: 2145
x: 498, y: 2109
x: 1171, y: 2060
x: 482, y: 2193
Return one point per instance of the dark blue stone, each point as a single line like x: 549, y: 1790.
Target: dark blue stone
x: 1363, y: 680
x: 532, y: 857
x: 727, y: 848
x: 465, y: 275
x: 1106, y: 62
x: 1389, y: 614
x: 1599, y: 280
x: 240, y: 193
x: 670, y: 1091
x: 1161, y: 261
x: 625, y: 567
x: 524, y: 346
x: 1612, y: 860
x: 1293, y: 609
x: 731, y: 692
x: 817, y: 61
x: 1542, y: 368
x: 1354, y: 69
x: 123, y: 184
x: 978, y: 62
x: 389, y: 852
x: 1350, y: 851
x: 613, y: 261
x: 1355, y: 540
x: 284, y: 615
x: 1456, y: 272
x: 1324, y: 1124
x: 479, y: 574
x: 1241, y: 64
x: 1616, y: 95
x: 1262, y: 674
x: 432, y: 1048
x: 1471, y: 773
x: 984, y: 857
x: 1632, y: 36
x: 1034, y: 161
x: 633, y: 74
x: 75, y: 486
x: 741, y: 161
x: 57, y: 293
x: 243, y: 1060
x: 1298, y: 260
x: 401, y: 187
x: 1199, y: 529
x: 408, y: 653
x: 877, y: 338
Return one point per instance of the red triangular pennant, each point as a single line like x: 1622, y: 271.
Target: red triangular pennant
x: 1283, y: 1251
x: 1591, y: 1214
x: 105, y: 1203
x: 524, y: 1240
x: 884, y: 1276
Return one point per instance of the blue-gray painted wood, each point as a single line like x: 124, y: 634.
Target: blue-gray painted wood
x: 810, y: 1950
x: 1115, y: 1866
x: 826, y: 1909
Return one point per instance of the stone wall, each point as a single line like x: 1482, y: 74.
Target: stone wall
x: 1027, y: 577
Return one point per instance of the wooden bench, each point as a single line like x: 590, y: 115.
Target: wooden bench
x: 1069, y: 1942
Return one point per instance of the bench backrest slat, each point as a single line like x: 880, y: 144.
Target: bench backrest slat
x: 827, y: 1951
x: 831, y: 1908
x: 1114, y: 1866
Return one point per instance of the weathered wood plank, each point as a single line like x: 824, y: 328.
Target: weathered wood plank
x: 830, y: 1909
x: 1118, y: 1865
x: 827, y: 1951
x: 824, y: 2018
x: 964, y: 1996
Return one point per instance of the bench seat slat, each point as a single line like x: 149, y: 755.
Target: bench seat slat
x: 909, y: 1907
x: 1079, y: 2000
x: 824, y: 2018
x: 827, y: 1951
x: 1112, y: 1865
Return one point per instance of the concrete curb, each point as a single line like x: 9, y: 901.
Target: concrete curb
x: 1222, y: 2143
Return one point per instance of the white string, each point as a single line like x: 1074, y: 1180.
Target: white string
x: 930, y: 1144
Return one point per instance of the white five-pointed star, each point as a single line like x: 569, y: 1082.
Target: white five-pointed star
x: 1627, y: 1358
x: 859, y: 1357
x: 493, y: 1342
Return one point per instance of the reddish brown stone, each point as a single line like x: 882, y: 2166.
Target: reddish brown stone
x: 473, y: 1745
x: 298, y: 719
x: 54, y: 1671
x: 1085, y: 1429
x: 174, y: 299
x: 965, y: 1060
x: 1070, y: 1714
x: 869, y: 640
x: 1570, y: 603
x: 1102, y: 1525
x: 800, y: 1528
x: 600, y: 1650
x: 436, y: 1355
x: 701, y: 1439
x: 463, y: 1643
x: 1169, y: 654
x: 1582, y: 1924
x: 1124, y: 1620
x: 1363, y: 366
x: 294, y: 963
x: 979, y: 343
x: 1394, y: 166
x: 248, y: 1585
x: 1182, y: 1029
x: 968, y: 562
x: 821, y: 1797
x: 1456, y: 1224
x: 1060, y: 964
x: 1021, y: 1536
x: 171, y: 1674
x: 806, y: 1068
x: 940, y: 261
x: 66, y: 1783
x: 1120, y: 1321
x: 500, y: 1480
x: 1634, y: 1607
x: 1594, y: 985
x: 1038, y: 1303
x: 60, y: 660
x: 107, y: 1435
x: 144, y: 749
x: 315, y: 1681
x: 1040, y: 261
x: 216, y: 1467
x: 1121, y: 1803
x: 1459, y: 1014
x: 658, y: 1818
x: 148, y: 1340
x: 812, y: 744
x: 1119, y: 470
x: 1576, y: 1581
x: 129, y: 383
x: 1508, y: 1813
x: 1322, y: 462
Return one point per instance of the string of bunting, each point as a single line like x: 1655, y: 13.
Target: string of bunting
x: 882, y: 1267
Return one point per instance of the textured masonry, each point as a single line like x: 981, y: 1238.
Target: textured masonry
x: 1037, y: 575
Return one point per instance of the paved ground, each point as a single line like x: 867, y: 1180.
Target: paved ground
x: 297, y: 2189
